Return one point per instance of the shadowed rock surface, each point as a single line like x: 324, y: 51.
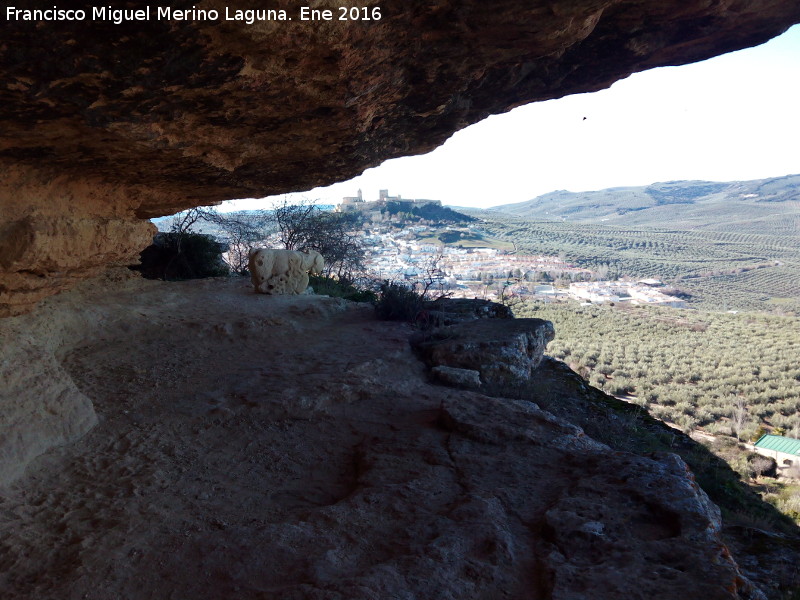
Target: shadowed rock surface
x: 106, y: 124
x: 500, y: 350
x: 256, y: 447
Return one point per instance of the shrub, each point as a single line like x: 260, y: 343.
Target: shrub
x: 790, y: 505
x: 340, y: 288
x: 597, y: 380
x: 620, y: 387
x: 686, y: 423
x: 757, y: 433
x: 661, y: 412
x: 177, y: 256
x: 397, y: 302
x: 762, y: 465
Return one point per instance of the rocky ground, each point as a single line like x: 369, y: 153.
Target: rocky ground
x: 260, y: 447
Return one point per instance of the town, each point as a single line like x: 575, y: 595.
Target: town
x: 442, y: 256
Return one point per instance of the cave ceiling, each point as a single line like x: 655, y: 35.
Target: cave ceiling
x: 104, y: 124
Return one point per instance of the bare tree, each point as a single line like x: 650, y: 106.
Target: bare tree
x: 182, y: 252
x: 183, y: 224
x: 242, y: 232
x: 302, y: 226
x: 740, y: 417
x: 296, y: 223
x: 181, y: 227
x: 432, y: 286
x: 305, y: 226
x: 506, y: 296
x: 487, y: 280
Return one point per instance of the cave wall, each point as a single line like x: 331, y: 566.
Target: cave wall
x: 105, y: 125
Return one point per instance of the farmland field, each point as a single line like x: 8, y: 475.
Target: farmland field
x: 725, y: 369
x: 687, y: 367
x: 718, y: 269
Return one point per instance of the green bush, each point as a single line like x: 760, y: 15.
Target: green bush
x: 174, y: 256
x: 759, y: 431
x: 397, y: 302
x: 340, y: 288
x: 786, y: 499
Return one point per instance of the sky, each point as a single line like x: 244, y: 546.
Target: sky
x: 733, y: 117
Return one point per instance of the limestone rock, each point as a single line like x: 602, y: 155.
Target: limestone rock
x: 40, y: 255
x: 263, y: 450
x: 104, y: 124
x: 449, y: 311
x: 501, y: 350
x: 465, y: 378
x: 624, y: 521
x: 637, y: 531
x: 40, y: 407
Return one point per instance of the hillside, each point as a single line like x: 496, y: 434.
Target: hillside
x: 431, y: 211
x: 726, y: 245
x: 746, y: 206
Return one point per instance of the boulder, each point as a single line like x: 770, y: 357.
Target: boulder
x: 463, y: 378
x: 449, y: 311
x: 501, y: 350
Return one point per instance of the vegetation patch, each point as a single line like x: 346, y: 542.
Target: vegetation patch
x: 726, y: 373
x: 398, y: 302
x: 341, y: 288
x: 431, y: 211
x: 464, y: 238
x: 740, y: 266
x: 177, y: 256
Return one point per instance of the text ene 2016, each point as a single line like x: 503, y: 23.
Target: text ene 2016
x: 355, y: 13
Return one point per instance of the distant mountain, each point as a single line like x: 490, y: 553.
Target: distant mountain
x: 682, y: 204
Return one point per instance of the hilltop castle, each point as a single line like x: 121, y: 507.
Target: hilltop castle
x: 357, y: 202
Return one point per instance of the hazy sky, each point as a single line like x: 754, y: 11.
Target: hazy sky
x: 731, y: 117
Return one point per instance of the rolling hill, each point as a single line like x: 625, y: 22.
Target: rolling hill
x: 739, y: 205
x: 728, y: 245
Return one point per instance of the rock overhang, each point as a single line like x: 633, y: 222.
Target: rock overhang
x: 105, y: 124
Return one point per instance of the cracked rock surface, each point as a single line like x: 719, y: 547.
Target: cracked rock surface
x: 500, y: 350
